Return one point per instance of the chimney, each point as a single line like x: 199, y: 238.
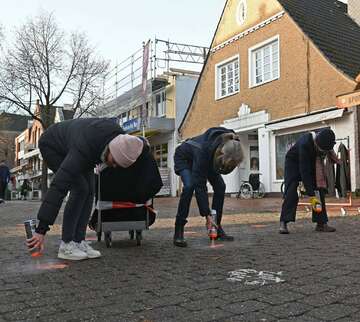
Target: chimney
x: 354, y: 10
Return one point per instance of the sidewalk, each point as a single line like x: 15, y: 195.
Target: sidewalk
x: 261, y: 276
x: 168, y: 206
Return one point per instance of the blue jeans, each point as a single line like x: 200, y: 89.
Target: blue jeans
x: 218, y: 185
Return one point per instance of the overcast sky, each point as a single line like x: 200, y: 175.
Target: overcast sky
x: 118, y: 27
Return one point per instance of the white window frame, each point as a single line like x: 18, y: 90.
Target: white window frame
x: 218, y: 95
x: 162, y: 103
x: 251, y: 55
x: 241, y: 20
x: 124, y: 117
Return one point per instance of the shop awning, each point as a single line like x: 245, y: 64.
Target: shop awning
x: 306, y: 119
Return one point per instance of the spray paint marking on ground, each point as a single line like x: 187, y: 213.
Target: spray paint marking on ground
x: 254, y: 277
x: 36, y: 266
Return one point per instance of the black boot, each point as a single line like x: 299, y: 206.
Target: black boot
x: 179, y: 236
x: 323, y: 227
x: 222, y: 235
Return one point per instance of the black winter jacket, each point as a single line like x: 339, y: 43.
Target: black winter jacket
x: 81, y: 142
x: 196, y: 154
x: 300, y: 163
x: 137, y: 183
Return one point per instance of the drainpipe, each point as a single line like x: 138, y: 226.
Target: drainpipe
x: 308, y: 107
x: 356, y: 111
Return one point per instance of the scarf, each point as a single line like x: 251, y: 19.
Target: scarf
x: 320, y: 173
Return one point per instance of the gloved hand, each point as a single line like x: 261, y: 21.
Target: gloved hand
x: 315, y: 204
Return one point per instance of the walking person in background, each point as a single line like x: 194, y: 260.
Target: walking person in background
x: 305, y: 162
x: 201, y: 159
x: 4, y: 179
x: 24, y: 189
x: 71, y: 150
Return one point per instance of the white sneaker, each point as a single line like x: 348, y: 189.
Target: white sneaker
x: 71, y: 252
x: 86, y: 248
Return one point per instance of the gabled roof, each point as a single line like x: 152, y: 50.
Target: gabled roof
x: 13, y: 122
x: 202, y: 69
x: 331, y: 29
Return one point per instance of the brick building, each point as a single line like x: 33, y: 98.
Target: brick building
x: 10, y: 126
x: 28, y: 160
x: 273, y: 72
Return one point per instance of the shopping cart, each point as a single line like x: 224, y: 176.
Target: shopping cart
x: 131, y: 217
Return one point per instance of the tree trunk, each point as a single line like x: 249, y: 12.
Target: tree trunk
x: 47, y: 119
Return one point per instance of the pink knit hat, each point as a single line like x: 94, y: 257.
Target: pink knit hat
x: 125, y: 149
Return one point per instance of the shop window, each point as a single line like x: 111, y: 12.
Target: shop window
x: 283, y: 143
x: 254, y: 158
x: 264, y: 62
x: 160, y: 153
x: 227, y: 78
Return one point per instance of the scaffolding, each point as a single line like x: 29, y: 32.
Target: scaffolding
x: 121, y: 85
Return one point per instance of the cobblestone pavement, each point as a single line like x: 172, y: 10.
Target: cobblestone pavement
x: 261, y: 276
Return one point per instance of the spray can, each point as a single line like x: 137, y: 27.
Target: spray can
x: 318, y: 206
x: 213, y: 229
x: 29, y: 230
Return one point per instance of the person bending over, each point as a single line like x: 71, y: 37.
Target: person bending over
x: 71, y: 150
x: 201, y: 159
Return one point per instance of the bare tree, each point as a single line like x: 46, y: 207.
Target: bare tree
x: 45, y: 63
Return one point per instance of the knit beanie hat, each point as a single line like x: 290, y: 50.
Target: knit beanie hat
x: 125, y: 149
x: 325, y: 139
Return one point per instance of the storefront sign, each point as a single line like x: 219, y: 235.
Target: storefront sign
x: 348, y: 100
x: 131, y: 125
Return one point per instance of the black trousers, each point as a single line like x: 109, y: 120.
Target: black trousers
x: 2, y: 189
x: 78, y: 207
x: 291, y: 200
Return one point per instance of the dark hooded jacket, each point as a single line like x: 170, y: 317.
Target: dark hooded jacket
x: 81, y: 143
x: 4, y: 174
x: 196, y: 154
x: 300, y: 163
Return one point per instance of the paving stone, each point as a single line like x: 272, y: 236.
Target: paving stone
x: 210, y: 314
x: 11, y: 307
x: 322, y: 299
x: 200, y: 304
x: 302, y: 318
x: 158, y: 282
x: 245, y: 307
x: 289, y: 309
x: 352, y: 300
x: 251, y: 317
x: 280, y: 298
x: 333, y: 312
